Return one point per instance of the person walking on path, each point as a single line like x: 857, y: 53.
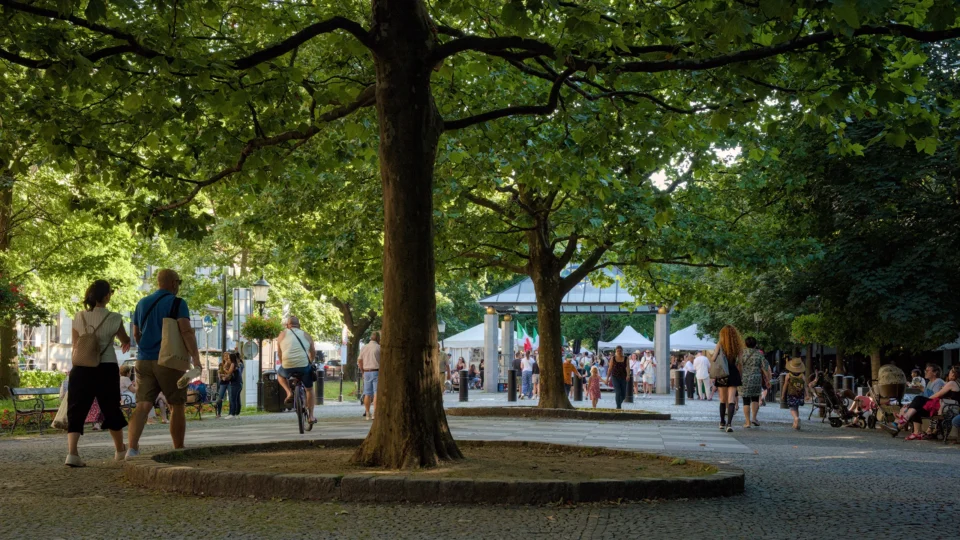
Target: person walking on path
x: 795, y: 389
x: 648, y: 367
x: 701, y: 368
x: 101, y: 382
x: 535, y: 377
x: 618, y: 375
x: 593, y: 386
x: 753, y: 368
x: 153, y: 378
x: 732, y: 347
x: 295, y: 348
x: 526, y: 377
x: 570, y: 372
x: 231, y: 383
x: 368, y: 361
x: 689, y: 375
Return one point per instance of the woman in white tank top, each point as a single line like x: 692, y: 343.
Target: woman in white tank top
x: 101, y: 382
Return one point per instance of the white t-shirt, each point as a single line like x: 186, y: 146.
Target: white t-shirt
x: 635, y: 367
x: 525, y: 364
x: 688, y: 367
x: 86, y: 321
x: 701, y: 364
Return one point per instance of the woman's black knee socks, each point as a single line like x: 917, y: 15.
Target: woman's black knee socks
x: 731, y: 408
x: 723, y: 407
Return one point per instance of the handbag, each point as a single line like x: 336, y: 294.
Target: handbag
x: 60, y: 420
x: 86, y: 349
x: 718, y: 366
x: 173, y: 352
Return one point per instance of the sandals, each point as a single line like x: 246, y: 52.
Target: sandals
x: 914, y: 437
x: 756, y: 424
x: 288, y: 401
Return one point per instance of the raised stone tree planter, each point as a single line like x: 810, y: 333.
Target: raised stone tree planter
x: 623, y: 415
x: 177, y: 471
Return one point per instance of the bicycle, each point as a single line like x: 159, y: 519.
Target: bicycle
x: 300, y: 404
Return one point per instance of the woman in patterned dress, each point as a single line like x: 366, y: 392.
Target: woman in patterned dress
x: 752, y: 366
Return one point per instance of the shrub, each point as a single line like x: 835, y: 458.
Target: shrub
x: 41, y: 379
x: 257, y: 328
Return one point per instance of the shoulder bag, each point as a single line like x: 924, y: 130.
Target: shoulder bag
x: 173, y: 351
x: 718, y: 366
x: 86, y: 349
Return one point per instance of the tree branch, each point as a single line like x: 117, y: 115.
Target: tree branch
x: 519, y: 110
x: 587, y: 266
x: 570, y: 250
x: 492, y: 260
x: 490, y: 45
x: 366, y: 99
x: 301, y: 37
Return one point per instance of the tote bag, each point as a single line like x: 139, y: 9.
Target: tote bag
x: 173, y: 352
x: 718, y: 366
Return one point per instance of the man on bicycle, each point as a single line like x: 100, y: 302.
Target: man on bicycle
x: 295, y: 348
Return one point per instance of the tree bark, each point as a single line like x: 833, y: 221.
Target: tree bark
x: 545, y: 270
x: 410, y: 427
x: 839, y: 368
x: 875, y: 362
x: 8, y: 325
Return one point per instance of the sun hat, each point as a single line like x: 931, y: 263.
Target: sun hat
x: 637, y: 352
x: 795, y: 365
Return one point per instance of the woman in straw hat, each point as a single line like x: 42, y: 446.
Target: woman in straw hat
x: 795, y: 389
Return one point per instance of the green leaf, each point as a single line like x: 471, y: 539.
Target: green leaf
x: 846, y: 10
x: 352, y: 130
x: 132, y: 102
x: 96, y: 10
x: 927, y: 144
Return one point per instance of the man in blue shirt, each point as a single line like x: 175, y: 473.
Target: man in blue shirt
x: 151, y: 377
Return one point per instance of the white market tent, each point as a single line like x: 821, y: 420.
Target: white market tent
x: 464, y: 343
x: 688, y: 340
x: 628, y: 339
x: 469, y: 338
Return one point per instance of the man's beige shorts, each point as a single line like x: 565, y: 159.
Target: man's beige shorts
x: 153, y: 378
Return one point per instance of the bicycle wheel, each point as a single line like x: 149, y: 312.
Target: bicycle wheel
x: 298, y: 406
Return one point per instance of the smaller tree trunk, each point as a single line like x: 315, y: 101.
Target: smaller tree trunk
x: 839, y: 368
x: 553, y: 395
x: 875, y: 362
x: 8, y: 356
x: 810, y: 358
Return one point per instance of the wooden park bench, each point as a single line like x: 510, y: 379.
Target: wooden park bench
x: 32, y: 403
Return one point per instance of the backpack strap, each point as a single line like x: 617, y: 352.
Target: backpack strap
x: 143, y: 318
x: 174, y: 308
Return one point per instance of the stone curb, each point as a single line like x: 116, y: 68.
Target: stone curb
x: 567, y: 414
x: 160, y: 471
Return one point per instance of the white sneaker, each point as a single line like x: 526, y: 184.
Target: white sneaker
x: 121, y: 455
x: 131, y: 453
x: 74, y: 461
x: 230, y: 417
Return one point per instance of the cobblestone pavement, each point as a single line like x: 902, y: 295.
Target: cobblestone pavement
x: 822, y: 481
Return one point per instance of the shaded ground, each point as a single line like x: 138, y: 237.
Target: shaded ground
x: 480, y: 462
x: 818, y: 483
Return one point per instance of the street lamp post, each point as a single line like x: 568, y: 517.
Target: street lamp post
x: 260, y: 290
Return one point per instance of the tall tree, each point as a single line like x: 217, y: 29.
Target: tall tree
x: 211, y: 90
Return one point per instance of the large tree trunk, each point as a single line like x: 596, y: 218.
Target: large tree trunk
x: 410, y: 429
x: 839, y: 368
x: 545, y: 273
x: 8, y: 326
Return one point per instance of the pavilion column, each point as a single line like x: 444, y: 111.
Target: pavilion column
x: 661, y: 344
x: 491, y: 364
x: 506, y: 345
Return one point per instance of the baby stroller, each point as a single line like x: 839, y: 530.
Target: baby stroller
x: 883, y: 417
x: 834, y: 409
